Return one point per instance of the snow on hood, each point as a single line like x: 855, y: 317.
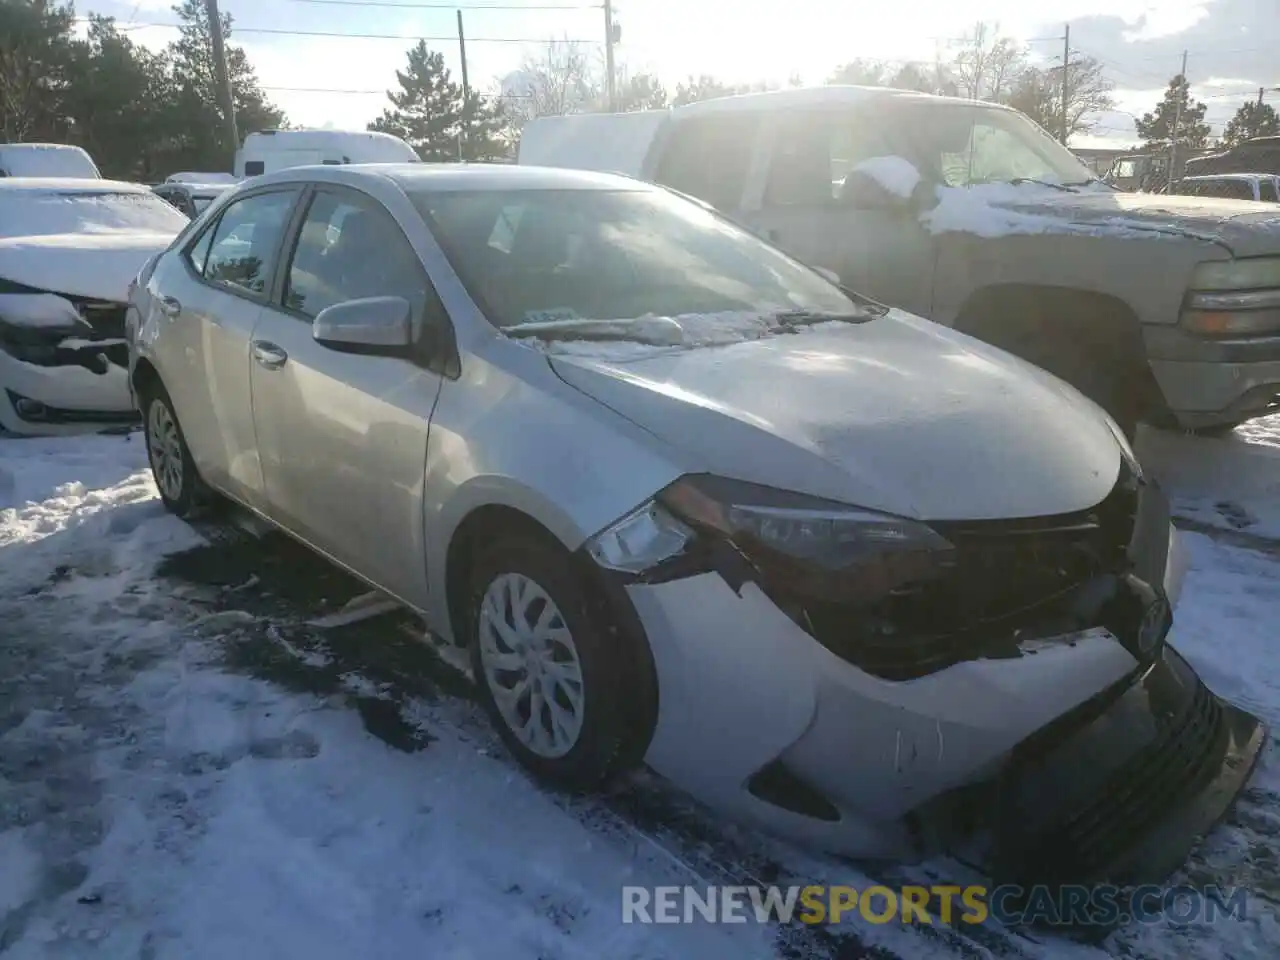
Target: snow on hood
x: 896, y: 414
x: 95, y: 265
x: 42, y: 310
x: 1002, y: 209
x: 897, y: 175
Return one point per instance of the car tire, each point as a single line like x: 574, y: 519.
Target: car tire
x: 577, y: 742
x: 182, y: 490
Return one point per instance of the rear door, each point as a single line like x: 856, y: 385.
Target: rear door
x: 343, y: 436
x: 209, y: 297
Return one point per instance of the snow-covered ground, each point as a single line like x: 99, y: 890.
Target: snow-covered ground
x: 188, y: 770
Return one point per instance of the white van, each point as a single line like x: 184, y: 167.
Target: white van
x: 272, y: 150
x: 46, y: 160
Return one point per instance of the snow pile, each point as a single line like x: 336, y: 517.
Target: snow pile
x: 43, y: 310
x: 896, y: 174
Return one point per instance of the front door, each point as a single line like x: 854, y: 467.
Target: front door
x: 343, y: 436
x: 797, y: 204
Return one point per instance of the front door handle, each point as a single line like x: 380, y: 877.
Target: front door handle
x: 170, y: 307
x: 269, y: 355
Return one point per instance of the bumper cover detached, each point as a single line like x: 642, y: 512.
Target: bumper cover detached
x: 1085, y: 755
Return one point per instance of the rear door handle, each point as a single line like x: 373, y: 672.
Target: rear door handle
x: 269, y: 355
x: 170, y: 307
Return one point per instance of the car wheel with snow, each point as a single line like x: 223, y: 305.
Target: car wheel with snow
x: 180, y: 486
x: 548, y: 676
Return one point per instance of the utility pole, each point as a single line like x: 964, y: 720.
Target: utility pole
x: 608, y: 55
x: 1066, y: 67
x: 466, y: 88
x: 1177, y: 122
x: 222, y: 77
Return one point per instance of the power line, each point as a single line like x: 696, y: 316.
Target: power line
x: 450, y: 6
x: 369, y: 36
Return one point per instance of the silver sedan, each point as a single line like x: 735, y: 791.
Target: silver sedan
x: 826, y: 565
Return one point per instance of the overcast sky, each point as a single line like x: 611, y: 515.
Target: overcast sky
x: 1233, y: 46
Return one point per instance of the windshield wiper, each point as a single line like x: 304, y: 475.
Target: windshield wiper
x: 803, y: 318
x: 656, y: 331
x: 1064, y: 187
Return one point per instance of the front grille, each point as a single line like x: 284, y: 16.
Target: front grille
x: 1179, y: 762
x: 1011, y: 582
x: 107, y: 319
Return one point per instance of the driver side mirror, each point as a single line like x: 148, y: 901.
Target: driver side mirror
x: 378, y: 326
x: 864, y: 191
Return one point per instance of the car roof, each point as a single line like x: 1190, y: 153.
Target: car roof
x: 830, y: 95
x: 454, y: 177
x: 70, y: 185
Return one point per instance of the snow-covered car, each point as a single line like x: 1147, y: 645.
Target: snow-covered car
x: 191, y: 198
x: 863, y: 580
x: 69, y: 249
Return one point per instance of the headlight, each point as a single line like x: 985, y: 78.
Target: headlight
x: 813, y: 546
x: 640, y: 540
x: 1249, y: 274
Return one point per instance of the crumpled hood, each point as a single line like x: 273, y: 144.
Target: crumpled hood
x: 95, y: 265
x: 897, y: 414
x: 1246, y: 227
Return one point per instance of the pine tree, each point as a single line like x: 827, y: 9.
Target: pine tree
x: 196, y: 114
x: 1254, y: 119
x: 1156, y: 128
x: 35, y: 57
x: 428, y: 108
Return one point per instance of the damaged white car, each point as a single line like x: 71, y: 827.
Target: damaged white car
x: 860, y: 579
x: 68, y: 251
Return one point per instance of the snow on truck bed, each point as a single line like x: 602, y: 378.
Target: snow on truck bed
x: 186, y: 771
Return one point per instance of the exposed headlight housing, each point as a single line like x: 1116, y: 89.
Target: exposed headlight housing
x: 809, y: 545
x: 1234, y: 298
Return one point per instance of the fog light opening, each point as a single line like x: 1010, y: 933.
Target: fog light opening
x: 777, y: 785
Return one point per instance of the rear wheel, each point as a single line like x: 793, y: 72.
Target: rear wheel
x: 553, y: 682
x: 181, y: 489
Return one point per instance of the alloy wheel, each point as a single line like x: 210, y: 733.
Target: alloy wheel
x: 531, y: 665
x: 164, y: 448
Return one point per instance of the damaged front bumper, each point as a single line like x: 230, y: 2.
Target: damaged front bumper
x: 63, y: 364
x: 957, y: 743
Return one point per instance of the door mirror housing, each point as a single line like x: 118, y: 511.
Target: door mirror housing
x: 862, y: 190
x: 374, y: 325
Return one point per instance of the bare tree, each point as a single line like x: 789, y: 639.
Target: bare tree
x: 987, y: 64
x: 561, y: 78
x: 1038, y: 93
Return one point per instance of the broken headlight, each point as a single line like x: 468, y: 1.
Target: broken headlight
x: 807, y: 545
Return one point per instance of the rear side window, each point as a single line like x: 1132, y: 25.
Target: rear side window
x: 708, y: 157
x: 1230, y: 189
x: 1269, y: 190
x: 254, y: 168
x: 247, y: 240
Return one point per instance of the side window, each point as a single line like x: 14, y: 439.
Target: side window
x: 198, y: 254
x: 1269, y: 190
x: 350, y: 248
x: 814, y: 152
x: 254, y: 168
x: 1229, y: 189
x: 708, y: 157
x: 247, y: 239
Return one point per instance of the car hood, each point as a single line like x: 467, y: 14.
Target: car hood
x: 897, y: 414
x: 94, y: 265
x: 1247, y: 228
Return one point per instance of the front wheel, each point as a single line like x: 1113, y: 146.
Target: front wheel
x: 551, y: 680
x: 181, y: 489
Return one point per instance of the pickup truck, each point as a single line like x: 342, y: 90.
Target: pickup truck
x: 1164, y: 309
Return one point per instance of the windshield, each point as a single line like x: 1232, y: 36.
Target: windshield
x: 964, y: 145
x: 531, y: 256
x: 33, y: 213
